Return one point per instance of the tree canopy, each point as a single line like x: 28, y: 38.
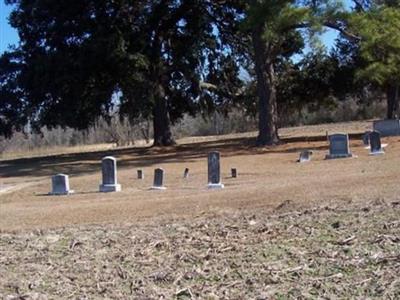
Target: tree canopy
x: 162, y: 59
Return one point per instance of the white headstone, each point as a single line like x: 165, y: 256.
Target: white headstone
x: 109, y: 175
x: 60, y: 185
x: 305, y: 156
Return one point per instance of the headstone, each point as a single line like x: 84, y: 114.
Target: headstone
x: 305, y: 156
x: 158, y: 179
x: 186, y: 173
x: 60, y: 185
x: 339, y: 146
x: 140, y: 174
x: 234, y: 173
x: 375, y: 142
x: 387, y: 127
x: 365, y: 138
x: 214, y: 171
x: 109, y: 174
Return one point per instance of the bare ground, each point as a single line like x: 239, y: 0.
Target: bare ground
x: 281, y: 230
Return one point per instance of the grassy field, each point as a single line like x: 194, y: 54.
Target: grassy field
x: 281, y: 230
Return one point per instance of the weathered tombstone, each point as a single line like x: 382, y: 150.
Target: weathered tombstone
x: 109, y: 174
x: 214, y: 171
x: 305, y: 156
x: 186, y: 173
x: 234, y: 173
x: 60, y: 185
x: 387, y: 127
x: 339, y: 146
x: 140, y: 174
x: 365, y: 138
x: 375, y: 142
x: 158, y: 179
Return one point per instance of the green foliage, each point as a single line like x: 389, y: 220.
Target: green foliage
x: 380, y: 44
x: 287, y: 18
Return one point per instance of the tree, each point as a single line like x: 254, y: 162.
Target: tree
x: 272, y: 25
x: 145, y: 58
x: 380, y: 47
x: 12, y: 115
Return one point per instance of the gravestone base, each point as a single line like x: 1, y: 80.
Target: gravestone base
x: 158, y: 188
x: 215, y: 186
x: 337, y: 156
x: 107, y: 188
x: 369, y: 147
x: 62, y: 193
x: 377, y: 153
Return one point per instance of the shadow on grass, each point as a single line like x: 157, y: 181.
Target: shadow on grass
x: 90, y: 162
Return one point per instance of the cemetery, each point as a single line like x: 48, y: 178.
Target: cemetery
x: 251, y: 200
x: 194, y: 150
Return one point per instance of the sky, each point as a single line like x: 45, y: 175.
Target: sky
x: 9, y: 36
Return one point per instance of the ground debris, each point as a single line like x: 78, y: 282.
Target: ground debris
x: 319, y: 254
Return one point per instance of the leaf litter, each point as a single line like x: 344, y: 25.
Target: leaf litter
x: 320, y: 253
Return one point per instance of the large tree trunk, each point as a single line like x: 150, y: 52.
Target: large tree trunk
x: 161, y: 120
x: 266, y: 90
x: 393, y: 96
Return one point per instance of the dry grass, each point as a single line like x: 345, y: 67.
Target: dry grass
x: 353, y: 127
x: 323, y: 253
x: 55, y: 150
x: 281, y: 230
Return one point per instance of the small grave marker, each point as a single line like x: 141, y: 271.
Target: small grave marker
x: 60, y: 185
x: 234, y: 173
x: 305, y: 156
x: 109, y: 175
x: 186, y: 173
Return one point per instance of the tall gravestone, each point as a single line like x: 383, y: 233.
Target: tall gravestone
x: 339, y: 146
x: 214, y: 171
x: 158, y: 183
x: 109, y: 175
x: 60, y: 185
x: 375, y: 143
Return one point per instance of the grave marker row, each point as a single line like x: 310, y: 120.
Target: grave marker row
x: 339, y: 146
x: 60, y: 182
